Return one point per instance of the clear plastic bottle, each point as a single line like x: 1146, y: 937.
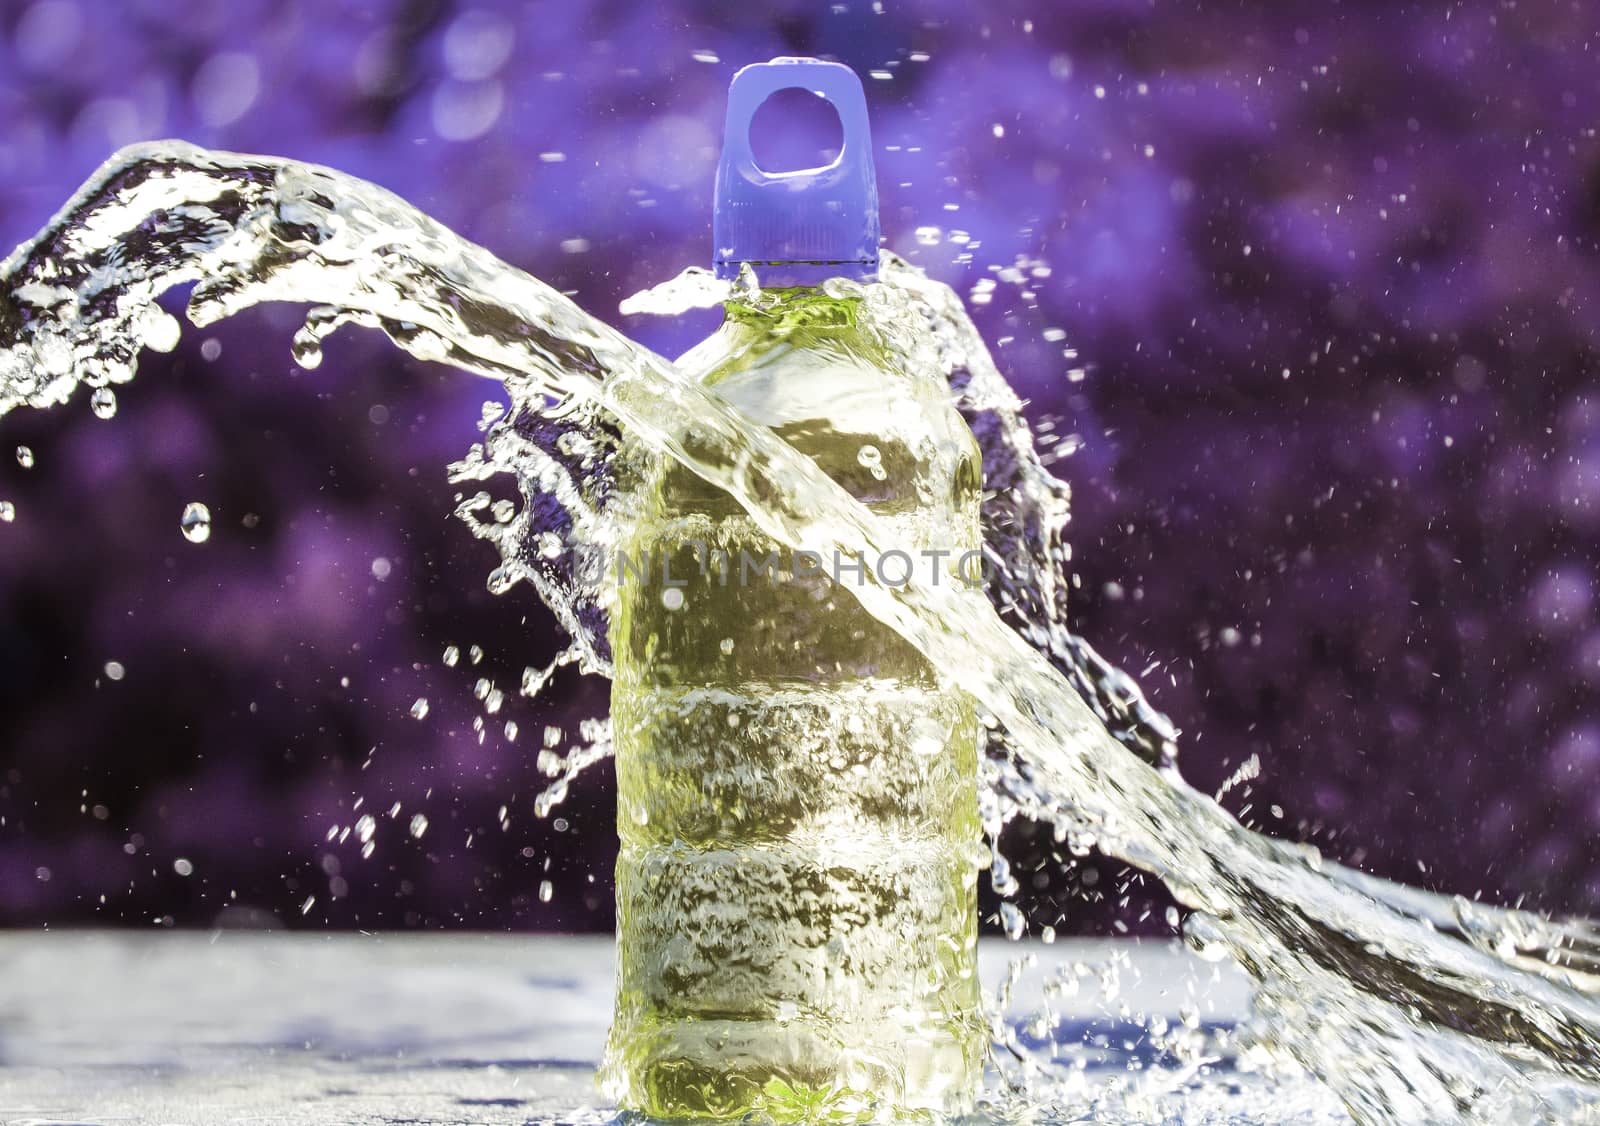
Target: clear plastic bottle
x: 797, y: 798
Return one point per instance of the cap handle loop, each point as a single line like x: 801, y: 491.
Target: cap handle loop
x: 824, y: 217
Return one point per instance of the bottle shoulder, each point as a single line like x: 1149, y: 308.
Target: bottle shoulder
x: 890, y: 437
x: 834, y: 374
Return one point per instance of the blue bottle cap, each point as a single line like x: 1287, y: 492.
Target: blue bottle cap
x: 808, y: 225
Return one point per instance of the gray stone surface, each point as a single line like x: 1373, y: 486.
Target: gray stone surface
x: 202, y: 1030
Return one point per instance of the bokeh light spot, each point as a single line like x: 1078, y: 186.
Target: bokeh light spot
x: 674, y: 151
x: 476, y: 45
x: 465, y: 111
x: 225, y: 87
x: 47, y: 33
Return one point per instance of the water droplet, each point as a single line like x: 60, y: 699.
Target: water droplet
x: 546, y: 891
x: 501, y: 579
x: 25, y: 457
x: 183, y: 867
x: 160, y: 331
x: 306, y: 348
x: 196, y: 522
x: 533, y: 680
x: 929, y: 236
x: 1012, y: 921
x: 365, y: 827
x: 451, y: 656
x: 115, y: 671
x: 672, y: 598
x: 103, y: 402
x: 8, y: 512
x: 1202, y: 935
x: 1000, y: 877
x: 511, y: 731
x: 419, y: 710
x: 419, y: 825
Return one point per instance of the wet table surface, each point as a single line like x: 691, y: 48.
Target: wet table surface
x: 232, y: 1027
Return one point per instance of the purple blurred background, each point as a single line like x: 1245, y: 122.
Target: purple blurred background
x: 1330, y: 276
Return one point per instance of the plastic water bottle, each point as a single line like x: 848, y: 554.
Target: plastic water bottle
x: 796, y: 789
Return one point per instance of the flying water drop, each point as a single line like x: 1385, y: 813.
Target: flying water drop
x: 196, y: 522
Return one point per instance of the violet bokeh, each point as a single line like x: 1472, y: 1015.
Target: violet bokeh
x: 1311, y: 294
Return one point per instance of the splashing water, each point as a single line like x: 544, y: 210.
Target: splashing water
x: 1412, y: 1007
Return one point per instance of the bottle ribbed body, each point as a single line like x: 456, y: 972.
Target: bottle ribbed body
x: 796, y: 790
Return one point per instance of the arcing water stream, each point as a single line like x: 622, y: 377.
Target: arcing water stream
x: 1412, y: 1007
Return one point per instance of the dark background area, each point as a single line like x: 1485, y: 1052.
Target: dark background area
x: 1329, y: 273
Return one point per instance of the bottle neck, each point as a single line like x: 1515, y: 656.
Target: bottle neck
x: 806, y: 318
x: 786, y: 309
